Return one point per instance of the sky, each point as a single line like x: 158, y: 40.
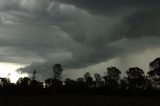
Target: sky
x: 81, y: 35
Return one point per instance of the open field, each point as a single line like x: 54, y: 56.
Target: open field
x: 78, y: 101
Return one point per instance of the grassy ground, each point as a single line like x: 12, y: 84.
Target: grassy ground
x: 78, y: 101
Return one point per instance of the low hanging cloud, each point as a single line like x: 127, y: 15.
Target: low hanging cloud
x: 41, y: 33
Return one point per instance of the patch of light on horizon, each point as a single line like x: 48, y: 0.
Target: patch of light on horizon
x: 8, y: 70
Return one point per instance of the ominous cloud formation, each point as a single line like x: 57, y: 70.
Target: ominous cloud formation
x: 75, y: 33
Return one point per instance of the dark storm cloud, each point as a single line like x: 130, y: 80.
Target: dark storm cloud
x: 143, y: 23
x: 75, y: 33
x: 112, y: 7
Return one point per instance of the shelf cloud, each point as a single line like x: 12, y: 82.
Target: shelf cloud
x: 75, y: 33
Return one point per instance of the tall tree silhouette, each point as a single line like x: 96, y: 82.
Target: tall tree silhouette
x: 57, y: 83
x: 88, y: 79
x: 112, y: 77
x: 57, y: 71
x: 135, y: 78
x: 154, y: 73
x: 98, y: 79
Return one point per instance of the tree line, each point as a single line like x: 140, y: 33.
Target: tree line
x: 136, y: 82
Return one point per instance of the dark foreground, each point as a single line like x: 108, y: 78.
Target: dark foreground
x: 78, y: 101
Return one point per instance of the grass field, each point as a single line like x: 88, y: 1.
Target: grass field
x: 78, y: 101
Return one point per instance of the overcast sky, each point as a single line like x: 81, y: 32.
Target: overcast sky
x: 82, y: 35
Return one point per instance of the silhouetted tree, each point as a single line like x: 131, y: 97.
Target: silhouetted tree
x: 57, y: 83
x: 149, y: 83
x: 69, y: 83
x: 34, y: 84
x: 88, y: 79
x: 112, y: 77
x: 4, y: 82
x: 23, y: 82
x: 23, y: 85
x: 80, y: 83
x: 98, y: 78
x: 155, y: 66
x: 135, y: 78
x: 53, y: 85
x: 154, y: 73
x: 57, y: 69
x: 49, y: 83
x: 123, y: 84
